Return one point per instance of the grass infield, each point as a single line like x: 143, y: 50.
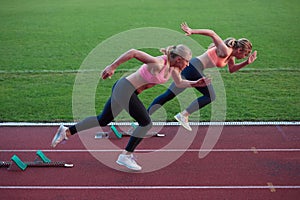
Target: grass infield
x: 43, y: 43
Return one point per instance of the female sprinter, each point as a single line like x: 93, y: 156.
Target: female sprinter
x: 219, y: 54
x: 155, y: 70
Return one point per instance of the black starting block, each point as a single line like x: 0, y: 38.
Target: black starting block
x: 41, y: 161
x: 127, y: 133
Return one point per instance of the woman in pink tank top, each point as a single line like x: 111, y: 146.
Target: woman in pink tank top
x: 219, y: 54
x: 156, y: 70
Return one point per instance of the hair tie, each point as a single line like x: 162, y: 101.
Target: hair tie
x: 236, y: 43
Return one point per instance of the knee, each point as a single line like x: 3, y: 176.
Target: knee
x: 211, y: 94
x: 103, y: 121
x: 142, y: 130
x: 147, y: 125
x: 150, y: 125
x: 212, y: 97
x: 169, y: 95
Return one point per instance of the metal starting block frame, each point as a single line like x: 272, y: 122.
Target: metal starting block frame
x: 41, y: 161
x: 127, y: 133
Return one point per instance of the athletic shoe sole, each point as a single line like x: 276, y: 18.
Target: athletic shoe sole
x: 182, y: 124
x: 129, y: 167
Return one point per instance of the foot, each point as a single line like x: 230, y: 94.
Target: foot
x: 184, y: 121
x: 60, y: 136
x: 129, y: 162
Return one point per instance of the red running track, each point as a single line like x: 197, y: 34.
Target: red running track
x: 247, y: 162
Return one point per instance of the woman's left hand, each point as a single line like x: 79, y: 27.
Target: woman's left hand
x: 186, y: 29
x: 107, y: 72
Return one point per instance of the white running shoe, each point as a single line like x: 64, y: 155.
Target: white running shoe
x: 60, y: 135
x: 128, y: 161
x: 184, y: 121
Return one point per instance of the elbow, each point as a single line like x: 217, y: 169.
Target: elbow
x: 231, y: 71
x: 132, y: 53
x: 212, y: 33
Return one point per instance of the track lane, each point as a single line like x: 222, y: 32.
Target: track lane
x: 219, y: 169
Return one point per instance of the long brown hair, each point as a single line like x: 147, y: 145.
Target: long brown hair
x: 242, y: 43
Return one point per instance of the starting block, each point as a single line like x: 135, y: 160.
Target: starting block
x: 116, y: 132
x: 42, y: 156
x: 41, y: 161
x: 128, y: 133
x: 18, y: 162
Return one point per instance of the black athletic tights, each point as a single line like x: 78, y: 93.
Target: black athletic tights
x: 192, y: 72
x: 124, y: 96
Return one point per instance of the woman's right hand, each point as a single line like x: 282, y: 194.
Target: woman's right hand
x: 202, y: 82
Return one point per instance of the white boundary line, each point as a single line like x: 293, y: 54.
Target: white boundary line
x: 147, y: 187
x: 126, y: 70
x: 244, y: 123
x: 149, y: 150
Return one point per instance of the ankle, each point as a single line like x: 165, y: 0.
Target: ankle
x: 68, y: 133
x: 126, y: 152
x: 185, y: 113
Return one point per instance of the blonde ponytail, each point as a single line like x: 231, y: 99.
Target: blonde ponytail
x: 231, y: 42
x: 167, y: 51
x: 179, y: 50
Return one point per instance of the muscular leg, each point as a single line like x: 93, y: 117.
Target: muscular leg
x: 169, y: 94
x: 138, y: 111
x: 126, y: 97
x: 102, y: 119
x: 194, y: 72
x: 190, y: 73
x: 208, y: 96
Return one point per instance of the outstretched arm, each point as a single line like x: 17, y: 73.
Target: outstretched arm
x: 233, y: 67
x: 132, y: 53
x: 223, y: 50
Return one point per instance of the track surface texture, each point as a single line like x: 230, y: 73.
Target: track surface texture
x: 247, y: 162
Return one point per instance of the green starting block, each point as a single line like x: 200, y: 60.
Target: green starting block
x: 116, y: 132
x: 129, y: 132
x: 133, y: 125
x: 41, y: 161
x: 42, y: 156
x: 19, y: 162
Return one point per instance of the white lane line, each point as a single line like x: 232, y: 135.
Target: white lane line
x: 147, y: 150
x: 244, y: 123
x: 127, y: 70
x: 14, y: 187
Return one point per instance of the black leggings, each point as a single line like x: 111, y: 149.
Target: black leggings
x: 192, y: 72
x: 124, y: 96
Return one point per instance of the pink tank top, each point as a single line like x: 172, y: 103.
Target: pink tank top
x: 154, y: 79
x: 215, y: 59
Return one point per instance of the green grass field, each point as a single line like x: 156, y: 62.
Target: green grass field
x: 43, y: 43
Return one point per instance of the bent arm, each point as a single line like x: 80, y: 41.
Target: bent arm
x: 223, y: 50
x: 132, y: 53
x: 234, y: 67
x: 181, y: 83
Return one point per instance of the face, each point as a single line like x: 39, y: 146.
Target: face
x: 181, y: 62
x: 240, y: 54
